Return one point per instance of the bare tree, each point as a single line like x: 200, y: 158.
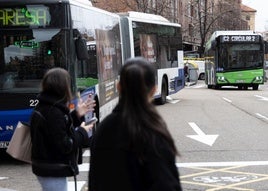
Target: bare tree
x: 215, y: 15
x: 166, y: 8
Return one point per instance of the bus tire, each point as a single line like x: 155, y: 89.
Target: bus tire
x: 255, y: 86
x: 202, y: 76
x: 164, y: 88
x: 217, y: 87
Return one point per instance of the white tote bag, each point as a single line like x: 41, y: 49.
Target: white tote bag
x: 20, y: 145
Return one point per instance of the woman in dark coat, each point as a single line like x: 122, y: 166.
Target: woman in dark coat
x: 57, y: 134
x: 132, y: 149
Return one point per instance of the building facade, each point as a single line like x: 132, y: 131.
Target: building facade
x: 198, y: 18
x: 248, y: 15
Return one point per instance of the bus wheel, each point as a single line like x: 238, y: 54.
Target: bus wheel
x: 163, y: 98
x: 217, y: 87
x: 202, y: 76
x: 255, y: 87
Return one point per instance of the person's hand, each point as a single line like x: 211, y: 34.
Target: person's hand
x: 85, y: 106
x: 87, y: 127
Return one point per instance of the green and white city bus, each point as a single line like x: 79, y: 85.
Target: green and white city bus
x: 234, y: 58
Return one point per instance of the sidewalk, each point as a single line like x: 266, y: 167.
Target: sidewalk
x: 5, y: 189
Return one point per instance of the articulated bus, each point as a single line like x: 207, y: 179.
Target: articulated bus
x: 36, y: 35
x: 234, y: 58
x: 160, y: 42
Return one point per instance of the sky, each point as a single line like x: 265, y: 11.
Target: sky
x: 261, y: 18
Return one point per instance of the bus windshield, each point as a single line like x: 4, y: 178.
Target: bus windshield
x: 31, y: 41
x: 24, y: 57
x: 240, y: 56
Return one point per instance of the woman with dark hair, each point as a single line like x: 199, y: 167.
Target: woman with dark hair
x: 132, y: 149
x: 57, y: 134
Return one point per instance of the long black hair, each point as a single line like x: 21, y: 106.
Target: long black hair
x: 140, y: 117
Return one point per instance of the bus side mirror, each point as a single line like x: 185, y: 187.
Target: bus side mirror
x: 265, y: 47
x: 213, y: 45
x: 81, y: 49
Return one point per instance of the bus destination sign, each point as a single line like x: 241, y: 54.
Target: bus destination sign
x: 239, y: 38
x: 31, y: 16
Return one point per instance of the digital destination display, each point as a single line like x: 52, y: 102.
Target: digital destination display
x: 240, y: 38
x: 26, y: 16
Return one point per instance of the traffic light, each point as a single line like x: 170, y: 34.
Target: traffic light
x: 49, y: 52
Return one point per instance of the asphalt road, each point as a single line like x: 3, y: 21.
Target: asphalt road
x: 221, y: 136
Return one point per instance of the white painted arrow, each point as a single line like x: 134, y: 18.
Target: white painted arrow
x: 201, y: 136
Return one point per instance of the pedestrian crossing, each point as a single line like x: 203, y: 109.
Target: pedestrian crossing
x: 83, y: 168
x: 80, y: 185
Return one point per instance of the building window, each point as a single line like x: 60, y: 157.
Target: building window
x: 191, y: 30
x: 247, y: 17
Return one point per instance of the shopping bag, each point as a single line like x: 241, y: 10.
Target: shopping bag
x: 20, y: 145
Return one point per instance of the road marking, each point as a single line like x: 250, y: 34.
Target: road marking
x: 171, y: 100
x: 262, y: 116
x: 231, y: 179
x: 224, y: 180
x: 207, y: 171
x: 261, y: 97
x: 83, y: 167
x: 80, y: 185
x: 219, y: 164
x: 3, y: 178
x: 228, y: 168
x: 230, y: 101
x: 201, y: 136
x: 233, y: 186
x: 199, y: 86
x: 86, y: 153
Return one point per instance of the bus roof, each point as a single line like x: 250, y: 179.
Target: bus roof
x: 76, y: 2
x: 236, y: 32
x: 32, y: 1
x: 147, y: 18
x: 81, y: 2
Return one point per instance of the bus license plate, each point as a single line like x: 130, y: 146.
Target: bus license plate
x: 240, y: 81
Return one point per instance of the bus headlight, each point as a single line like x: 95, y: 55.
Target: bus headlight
x: 258, y: 79
x: 221, y: 79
